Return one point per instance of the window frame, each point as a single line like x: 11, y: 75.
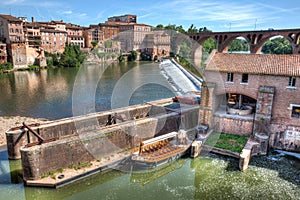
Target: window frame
x: 243, y: 81
x: 292, y: 81
x: 230, y: 76
x: 295, y: 114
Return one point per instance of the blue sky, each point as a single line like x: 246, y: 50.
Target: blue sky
x: 217, y: 15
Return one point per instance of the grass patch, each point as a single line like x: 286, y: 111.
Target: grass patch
x: 80, y: 165
x: 52, y: 174
x: 234, y: 143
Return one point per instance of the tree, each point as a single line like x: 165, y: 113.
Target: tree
x: 72, y: 56
x: 160, y: 26
x: 180, y: 29
x: 238, y: 45
x: 209, y: 45
x: 121, y: 58
x: 171, y: 27
x: 52, y: 59
x: 144, y: 56
x: 278, y: 45
x: 204, y: 29
x: 185, y: 49
x: 94, y: 44
x: 132, y: 56
x: 192, y: 29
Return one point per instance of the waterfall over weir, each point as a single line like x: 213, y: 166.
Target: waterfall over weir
x: 182, y: 80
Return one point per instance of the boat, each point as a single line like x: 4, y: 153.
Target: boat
x: 160, y: 150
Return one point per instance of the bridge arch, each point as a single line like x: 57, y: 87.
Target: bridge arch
x: 256, y: 39
x: 250, y: 94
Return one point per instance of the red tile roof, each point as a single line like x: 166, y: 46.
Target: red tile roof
x: 265, y: 64
x: 10, y: 18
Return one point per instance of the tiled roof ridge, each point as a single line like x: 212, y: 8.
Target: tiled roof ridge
x: 268, y: 64
x: 10, y: 18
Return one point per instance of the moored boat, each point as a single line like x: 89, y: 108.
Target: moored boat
x: 162, y: 149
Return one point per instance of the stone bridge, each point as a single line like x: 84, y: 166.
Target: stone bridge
x: 255, y: 39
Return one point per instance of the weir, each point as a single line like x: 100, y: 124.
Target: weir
x: 87, y: 138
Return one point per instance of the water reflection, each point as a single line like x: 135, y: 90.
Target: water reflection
x: 48, y: 93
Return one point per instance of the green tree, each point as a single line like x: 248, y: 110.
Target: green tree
x: 6, y: 66
x: 94, y: 44
x: 192, y: 29
x: 72, y: 56
x: 132, y: 56
x: 121, y: 58
x: 279, y: 45
x: 160, y: 26
x: 238, y: 45
x: 180, y: 29
x: 204, y: 29
x: 52, y: 59
x: 171, y: 27
x: 209, y: 45
x: 185, y: 49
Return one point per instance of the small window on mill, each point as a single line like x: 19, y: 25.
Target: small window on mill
x: 296, y: 111
x: 244, y: 78
x: 229, y: 77
x: 292, y: 81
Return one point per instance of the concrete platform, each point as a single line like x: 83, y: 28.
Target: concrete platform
x: 73, y: 175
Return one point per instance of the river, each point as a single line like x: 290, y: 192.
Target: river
x: 58, y: 93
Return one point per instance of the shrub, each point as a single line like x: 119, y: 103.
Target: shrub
x: 6, y: 66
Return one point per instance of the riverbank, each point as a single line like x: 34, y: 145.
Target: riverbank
x: 7, y: 122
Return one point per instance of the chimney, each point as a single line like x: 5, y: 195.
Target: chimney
x: 32, y: 19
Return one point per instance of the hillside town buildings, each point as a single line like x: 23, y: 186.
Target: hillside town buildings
x: 25, y: 42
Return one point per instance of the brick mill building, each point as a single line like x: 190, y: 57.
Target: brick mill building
x: 255, y: 95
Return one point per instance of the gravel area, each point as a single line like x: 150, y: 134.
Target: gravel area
x: 13, y: 121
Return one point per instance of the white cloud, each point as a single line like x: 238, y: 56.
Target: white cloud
x: 100, y: 14
x: 68, y: 12
x: 144, y: 16
x: 82, y: 15
x: 219, y: 13
x: 11, y: 2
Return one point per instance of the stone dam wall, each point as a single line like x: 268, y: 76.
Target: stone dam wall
x: 92, y: 142
x: 72, y: 126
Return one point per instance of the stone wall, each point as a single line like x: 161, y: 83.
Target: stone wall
x: 100, y: 143
x: 233, y: 125
x: 69, y: 126
x: 285, y: 137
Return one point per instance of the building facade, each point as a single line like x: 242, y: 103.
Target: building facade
x: 11, y: 29
x: 123, y: 19
x: 3, y: 53
x: 255, y: 95
x: 53, y: 36
x: 75, y: 35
